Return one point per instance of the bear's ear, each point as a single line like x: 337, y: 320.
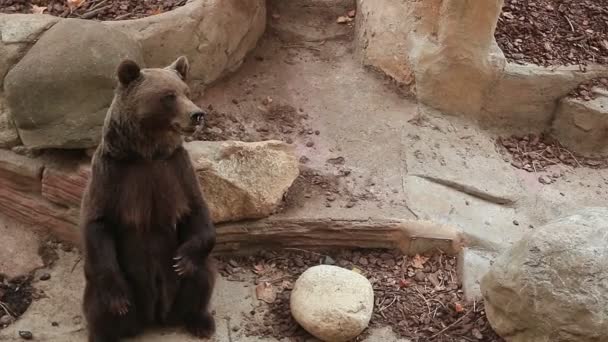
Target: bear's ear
x: 128, y: 71
x: 181, y: 66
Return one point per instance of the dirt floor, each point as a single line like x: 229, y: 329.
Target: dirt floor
x: 91, y: 9
x: 554, y: 32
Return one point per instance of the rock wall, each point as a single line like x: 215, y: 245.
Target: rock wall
x: 239, y: 180
x: 445, y: 53
x: 57, y: 75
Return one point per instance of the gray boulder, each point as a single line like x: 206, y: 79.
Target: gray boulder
x: 59, y: 92
x: 553, y: 284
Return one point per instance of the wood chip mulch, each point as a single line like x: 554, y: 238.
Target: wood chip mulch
x: 554, y: 32
x: 534, y: 153
x: 418, y: 297
x: 91, y: 9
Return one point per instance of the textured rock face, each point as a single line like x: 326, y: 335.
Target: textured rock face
x: 243, y: 180
x: 454, y: 75
x: 332, y: 303
x: 553, y: 284
x: 8, y: 131
x: 17, y: 31
x: 582, y: 126
x: 391, y: 35
x: 57, y: 94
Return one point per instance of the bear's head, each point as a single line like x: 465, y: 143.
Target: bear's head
x: 150, y: 112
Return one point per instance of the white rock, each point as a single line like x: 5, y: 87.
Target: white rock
x: 553, y: 284
x: 332, y: 303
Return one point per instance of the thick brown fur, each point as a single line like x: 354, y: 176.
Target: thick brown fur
x: 147, y: 230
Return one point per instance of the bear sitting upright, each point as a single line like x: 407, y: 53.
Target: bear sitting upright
x: 147, y: 229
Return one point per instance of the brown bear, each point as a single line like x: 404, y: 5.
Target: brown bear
x: 147, y: 229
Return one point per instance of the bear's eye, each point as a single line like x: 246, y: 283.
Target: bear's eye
x: 168, y: 99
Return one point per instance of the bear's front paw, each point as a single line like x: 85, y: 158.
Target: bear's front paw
x: 184, y: 265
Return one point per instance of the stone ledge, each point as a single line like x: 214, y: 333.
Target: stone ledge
x: 582, y: 126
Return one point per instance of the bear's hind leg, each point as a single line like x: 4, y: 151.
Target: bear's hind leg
x: 192, y: 303
x: 104, y: 326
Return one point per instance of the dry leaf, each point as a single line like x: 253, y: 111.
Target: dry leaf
x: 477, y: 334
x: 418, y: 261
x: 405, y: 283
x: 458, y: 307
x: 259, y: 268
x: 74, y: 4
x: 343, y: 19
x: 156, y: 11
x: 38, y: 9
x: 508, y: 15
x: 356, y: 270
x: 266, y: 292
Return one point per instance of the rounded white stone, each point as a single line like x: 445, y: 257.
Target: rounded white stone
x: 332, y: 303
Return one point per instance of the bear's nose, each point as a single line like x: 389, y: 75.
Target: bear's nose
x: 197, y: 117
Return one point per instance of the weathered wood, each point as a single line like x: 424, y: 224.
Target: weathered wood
x: 409, y: 236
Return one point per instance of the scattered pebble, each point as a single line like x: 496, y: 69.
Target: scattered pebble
x: 26, y: 335
x: 45, y: 276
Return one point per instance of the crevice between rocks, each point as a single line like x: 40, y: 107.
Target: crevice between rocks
x: 466, y: 189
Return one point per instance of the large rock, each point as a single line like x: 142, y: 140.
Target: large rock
x: 243, y: 180
x: 582, y: 126
x: 332, y: 303
x: 214, y: 35
x: 454, y: 74
x: 59, y: 92
x: 553, y: 284
x: 391, y: 35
